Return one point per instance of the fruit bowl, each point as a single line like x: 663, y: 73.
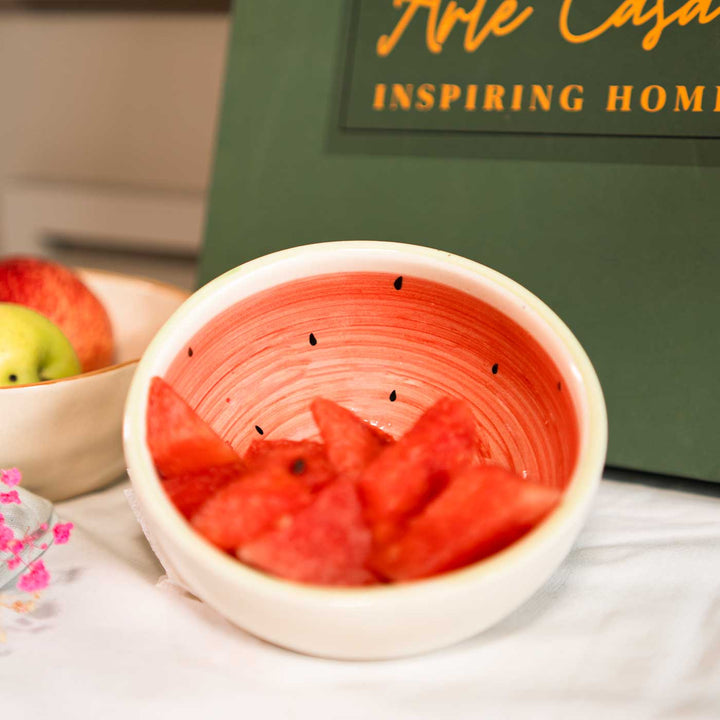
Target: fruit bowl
x: 384, y: 329
x: 66, y: 435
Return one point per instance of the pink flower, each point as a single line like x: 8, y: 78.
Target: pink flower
x: 16, y: 546
x: 35, y: 579
x: 6, y: 536
x: 10, y: 477
x: 61, y: 531
x: 9, y: 497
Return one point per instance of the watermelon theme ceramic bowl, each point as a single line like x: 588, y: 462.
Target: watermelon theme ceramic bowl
x: 384, y: 329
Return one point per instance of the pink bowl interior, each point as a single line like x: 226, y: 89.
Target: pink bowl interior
x: 386, y: 353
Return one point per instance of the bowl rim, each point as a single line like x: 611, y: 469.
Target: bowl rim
x: 577, y: 496
x: 131, y: 279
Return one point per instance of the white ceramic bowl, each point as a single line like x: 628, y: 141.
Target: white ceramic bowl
x: 389, y: 620
x: 66, y: 435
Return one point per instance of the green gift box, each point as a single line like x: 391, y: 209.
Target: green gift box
x: 571, y: 145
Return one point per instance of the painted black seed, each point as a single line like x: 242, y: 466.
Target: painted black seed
x: 190, y: 352
x: 495, y: 369
x: 559, y: 386
x: 393, y: 396
x: 398, y: 282
x: 12, y: 378
x: 313, y: 339
x: 298, y: 467
x: 259, y: 429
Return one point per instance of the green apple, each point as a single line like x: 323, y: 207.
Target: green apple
x: 32, y: 348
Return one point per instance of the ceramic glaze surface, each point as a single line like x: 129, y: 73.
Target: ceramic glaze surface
x: 386, y: 346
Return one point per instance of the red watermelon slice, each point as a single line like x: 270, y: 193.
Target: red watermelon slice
x: 190, y: 490
x: 179, y: 440
x: 245, y: 509
x: 356, y: 509
x: 351, y: 442
x: 328, y: 543
x: 305, y: 459
x: 407, y: 474
x: 482, y: 511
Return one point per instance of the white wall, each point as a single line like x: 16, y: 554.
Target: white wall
x: 128, y: 100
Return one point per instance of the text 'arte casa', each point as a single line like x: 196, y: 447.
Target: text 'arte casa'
x: 479, y: 22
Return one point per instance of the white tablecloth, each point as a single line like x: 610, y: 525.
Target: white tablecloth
x: 628, y: 627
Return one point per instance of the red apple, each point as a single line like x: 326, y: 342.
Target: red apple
x: 60, y: 295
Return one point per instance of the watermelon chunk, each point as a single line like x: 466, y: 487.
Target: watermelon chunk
x: 180, y: 441
x: 327, y: 543
x: 305, y: 459
x: 409, y: 473
x: 245, y: 509
x: 351, y: 442
x: 483, y: 510
x: 190, y: 490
